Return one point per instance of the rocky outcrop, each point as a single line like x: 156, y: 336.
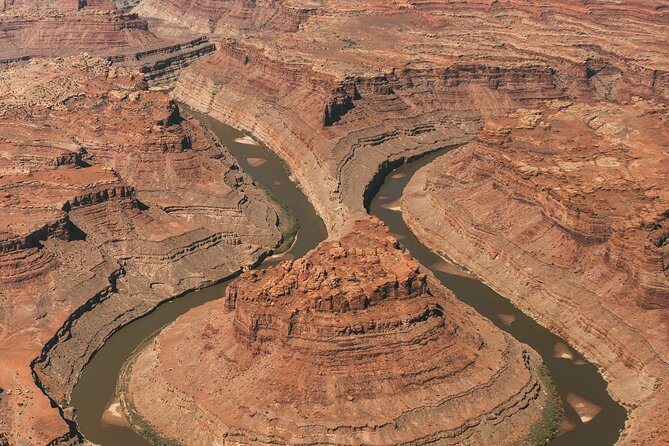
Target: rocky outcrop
x: 162, y: 65
x: 100, y: 222
x: 563, y: 211
x: 57, y: 5
x: 49, y: 33
x: 229, y: 15
x: 351, y: 344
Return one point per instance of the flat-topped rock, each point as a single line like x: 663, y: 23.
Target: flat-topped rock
x: 352, y: 344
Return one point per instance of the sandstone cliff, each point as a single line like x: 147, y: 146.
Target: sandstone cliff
x: 111, y: 201
x: 352, y: 344
x: 564, y: 211
x: 64, y: 28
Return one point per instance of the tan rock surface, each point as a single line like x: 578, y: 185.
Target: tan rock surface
x: 30, y: 29
x: 351, y: 344
x: 565, y: 211
x: 110, y: 201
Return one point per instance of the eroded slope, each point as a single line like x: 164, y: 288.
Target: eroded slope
x: 565, y: 211
x: 352, y: 344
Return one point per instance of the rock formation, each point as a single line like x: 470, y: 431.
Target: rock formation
x: 342, y: 91
x: 63, y: 28
x: 349, y: 90
x: 352, y: 344
x: 564, y: 210
x: 111, y: 201
x: 337, y: 100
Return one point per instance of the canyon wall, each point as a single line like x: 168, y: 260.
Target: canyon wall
x: 354, y: 89
x: 69, y: 28
x: 335, y: 133
x: 351, y: 344
x: 101, y: 221
x: 564, y: 211
x: 338, y: 104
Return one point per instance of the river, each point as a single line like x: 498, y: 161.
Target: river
x: 578, y: 382
x: 96, y: 388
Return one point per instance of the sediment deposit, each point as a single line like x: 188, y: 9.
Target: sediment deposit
x: 111, y: 201
x: 352, y: 344
x: 564, y: 210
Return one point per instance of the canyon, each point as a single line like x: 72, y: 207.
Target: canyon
x: 114, y: 200
x: 351, y: 344
x: 563, y: 210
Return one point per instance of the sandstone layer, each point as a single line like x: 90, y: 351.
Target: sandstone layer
x: 346, y: 88
x: 64, y: 28
x: 352, y: 344
x: 564, y: 210
x: 111, y: 201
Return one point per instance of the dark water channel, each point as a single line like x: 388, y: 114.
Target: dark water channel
x: 577, y: 381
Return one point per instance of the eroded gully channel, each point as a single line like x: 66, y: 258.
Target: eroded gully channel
x: 571, y: 373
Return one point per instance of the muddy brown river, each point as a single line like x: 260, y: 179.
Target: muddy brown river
x: 592, y: 417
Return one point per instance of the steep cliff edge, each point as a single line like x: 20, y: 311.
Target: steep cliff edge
x: 111, y: 202
x: 337, y: 132
x: 565, y: 212
x: 352, y: 344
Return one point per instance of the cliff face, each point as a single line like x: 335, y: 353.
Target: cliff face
x: 229, y: 15
x: 340, y: 130
x: 564, y: 211
x: 352, y: 343
x: 101, y: 221
x: 336, y: 100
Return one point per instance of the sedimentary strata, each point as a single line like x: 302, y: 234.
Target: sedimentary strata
x: 349, y: 90
x: 564, y: 210
x: 111, y: 201
x: 351, y: 87
x: 342, y: 91
x: 64, y: 28
x: 352, y: 344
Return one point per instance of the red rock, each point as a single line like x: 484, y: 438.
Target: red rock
x: 564, y: 212
x: 110, y: 199
x: 353, y: 343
